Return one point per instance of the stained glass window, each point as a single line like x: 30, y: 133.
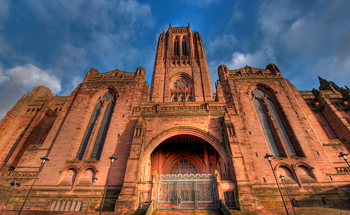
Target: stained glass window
x: 280, y: 127
x: 184, y: 167
x: 266, y: 128
x: 96, y: 152
x: 88, y: 131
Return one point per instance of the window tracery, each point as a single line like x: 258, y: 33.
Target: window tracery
x: 181, y: 89
x: 272, y: 124
x: 105, y: 100
x: 183, y: 166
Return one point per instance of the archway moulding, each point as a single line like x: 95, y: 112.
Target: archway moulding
x: 157, y: 140
x: 255, y: 85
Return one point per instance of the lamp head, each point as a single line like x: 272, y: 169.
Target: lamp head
x: 268, y: 156
x: 95, y: 179
x: 44, y: 159
x: 112, y: 158
x: 281, y: 176
x: 12, y: 183
x: 18, y: 184
x: 343, y: 155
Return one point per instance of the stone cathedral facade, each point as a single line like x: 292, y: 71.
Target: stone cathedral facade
x: 177, y: 137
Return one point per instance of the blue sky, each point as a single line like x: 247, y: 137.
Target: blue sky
x: 54, y: 43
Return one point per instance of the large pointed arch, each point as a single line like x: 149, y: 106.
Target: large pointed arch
x: 218, y: 146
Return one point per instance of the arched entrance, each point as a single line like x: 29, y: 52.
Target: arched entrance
x: 186, y: 165
x: 185, y: 135
x: 187, y: 154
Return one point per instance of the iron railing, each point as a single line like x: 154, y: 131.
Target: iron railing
x: 343, y: 169
x: 150, y: 209
x: 224, y: 208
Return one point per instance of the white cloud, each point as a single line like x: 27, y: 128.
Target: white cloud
x: 237, y: 14
x: 30, y: 75
x: 20, y: 79
x: 239, y: 60
x: 313, y: 37
x: 222, y: 42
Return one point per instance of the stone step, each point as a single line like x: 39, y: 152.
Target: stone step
x: 187, y: 212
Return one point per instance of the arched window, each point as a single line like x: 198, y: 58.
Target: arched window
x: 107, y: 99
x: 189, y: 99
x: 174, y: 99
x: 184, y: 47
x: 288, y: 175
x: 271, y: 123
x: 96, y: 152
x: 14, y: 146
x: 183, y: 166
x: 176, y: 46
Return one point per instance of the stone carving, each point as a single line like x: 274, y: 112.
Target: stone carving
x: 13, y: 174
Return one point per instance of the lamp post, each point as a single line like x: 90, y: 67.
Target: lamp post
x: 268, y: 157
x: 285, y: 187
x: 112, y: 158
x: 43, y: 160
x: 12, y: 183
x: 343, y: 155
x: 93, y: 184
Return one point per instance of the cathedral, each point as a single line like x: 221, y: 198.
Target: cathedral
x: 118, y: 144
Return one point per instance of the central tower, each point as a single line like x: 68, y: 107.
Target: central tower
x: 180, y: 70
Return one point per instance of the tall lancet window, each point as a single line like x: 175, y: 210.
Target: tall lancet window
x: 176, y: 46
x: 96, y: 152
x: 272, y: 124
x: 184, y: 47
x: 88, y: 131
x: 107, y: 100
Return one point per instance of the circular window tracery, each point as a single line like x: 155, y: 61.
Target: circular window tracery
x: 181, y: 84
x: 107, y: 97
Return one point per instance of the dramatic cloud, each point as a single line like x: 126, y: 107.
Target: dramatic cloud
x: 69, y: 38
x: 19, y: 80
x: 240, y: 60
x: 222, y: 42
x: 304, y: 39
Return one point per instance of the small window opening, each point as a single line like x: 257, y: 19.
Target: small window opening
x: 264, y: 180
x: 325, y: 201
x: 118, y: 135
x: 317, y: 153
x: 126, y: 101
x: 256, y: 154
x: 306, y: 132
x: 295, y: 203
x: 249, y: 132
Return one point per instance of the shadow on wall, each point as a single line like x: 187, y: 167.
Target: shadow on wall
x: 337, y: 197
x: 116, y: 180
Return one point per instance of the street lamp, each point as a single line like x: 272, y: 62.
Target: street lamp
x: 112, y: 158
x: 12, y: 183
x: 285, y: 187
x: 268, y: 157
x: 93, y: 184
x: 43, y: 160
x: 343, y: 155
